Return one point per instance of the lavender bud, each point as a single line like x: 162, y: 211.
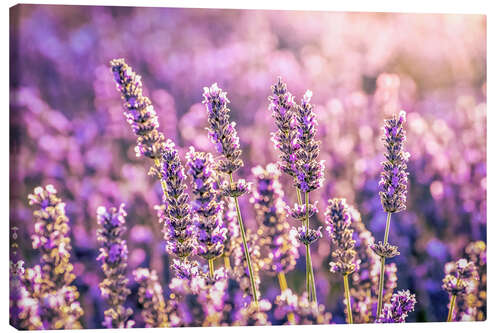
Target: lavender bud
x: 338, y: 221
x: 298, y: 212
x: 151, y: 298
x: 459, y: 276
x: 307, y: 236
x: 387, y: 250
x: 394, y: 177
x: 236, y: 189
x: 221, y: 132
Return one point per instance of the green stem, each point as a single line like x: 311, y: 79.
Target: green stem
x: 211, y: 268
x: 245, y: 246
x: 283, y: 287
x: 227, y: 263
x: 308, y: 275
x: 347, y: 299
x: 452, y: 306
x: 312, y: 285
x: 382, y: 268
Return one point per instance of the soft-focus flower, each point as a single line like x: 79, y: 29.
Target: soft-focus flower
x: 459, y: 276
x: 151, y: 298
x: 280, y: 249
x: 304, y: 312
x: 114, y: 257
x: 338, y: 226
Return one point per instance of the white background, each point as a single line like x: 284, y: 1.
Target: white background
x: 490, y: 8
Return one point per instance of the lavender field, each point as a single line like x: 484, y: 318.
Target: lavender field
x: 156, y: 152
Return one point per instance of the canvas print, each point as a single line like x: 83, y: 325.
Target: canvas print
x: 175, y: 167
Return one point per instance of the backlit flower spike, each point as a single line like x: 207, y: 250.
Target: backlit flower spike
x: 298, y: 212
x: 394, y: 177
x: 50, y: 282
x: 221, y: 131
x: 282, y: 106
x: 210, y: 231
x: 309, y: 171
x: 176, y: 215
x: 139, y: 112
x: 114, y: 259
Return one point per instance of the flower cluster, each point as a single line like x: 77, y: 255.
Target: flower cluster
x: 299, y: 212
x: 280, y: 250
x: 394, y: 177
x: 114, y: 258
x: 175, y: 215
x: 309, y: 172
x: 459, y: 277
x: 338, y: 221
x: 221, y: 131
x: 211, y: 233
x: 307, y: 236
x: 283, y: 111
x: 385, y: 250
x: 139, y: 111
x: 397, y: 311
x: 49, y: 284
x: 151, y: 298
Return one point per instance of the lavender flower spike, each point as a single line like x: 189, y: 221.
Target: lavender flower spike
x: 282, y: 106
x: 221, y: 131
x: 114, y: 256
x: 393, y: 188
x: 139, y: 111
x: 394, y: 177
x: 458, y: 281
x: 223, y: 135
x: 59, y: 308
x: 211, y: 233
x: 309, y: 171
x: 176, y: 215
x: 402, y: 303
x: 338, y: 220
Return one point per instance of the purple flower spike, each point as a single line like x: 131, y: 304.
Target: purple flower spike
x: 308, y: 170
x: 394, y: 177
x: 139, y: 111
x: 49, y: 284
x: 175, y: 215
x: 282, y: 106
x: 211, y: 233
x: 220, y: 131
x: 113, y: 257
x: 338, y: 221
x: 402, y: 303
x: 281, y: 250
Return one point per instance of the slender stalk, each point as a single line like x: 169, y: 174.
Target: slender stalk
x: 227, y: 263
x: 452, y: 305
x: 308, y: 276
x: 382, y: 268
x: 347, y: 299
x: 283, y: 287
x: 312, y: 285
x: 211, y: 268
x: 245, y: 246
x: 163, y: 183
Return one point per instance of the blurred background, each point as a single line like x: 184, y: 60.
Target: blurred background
x: 67, y: 126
